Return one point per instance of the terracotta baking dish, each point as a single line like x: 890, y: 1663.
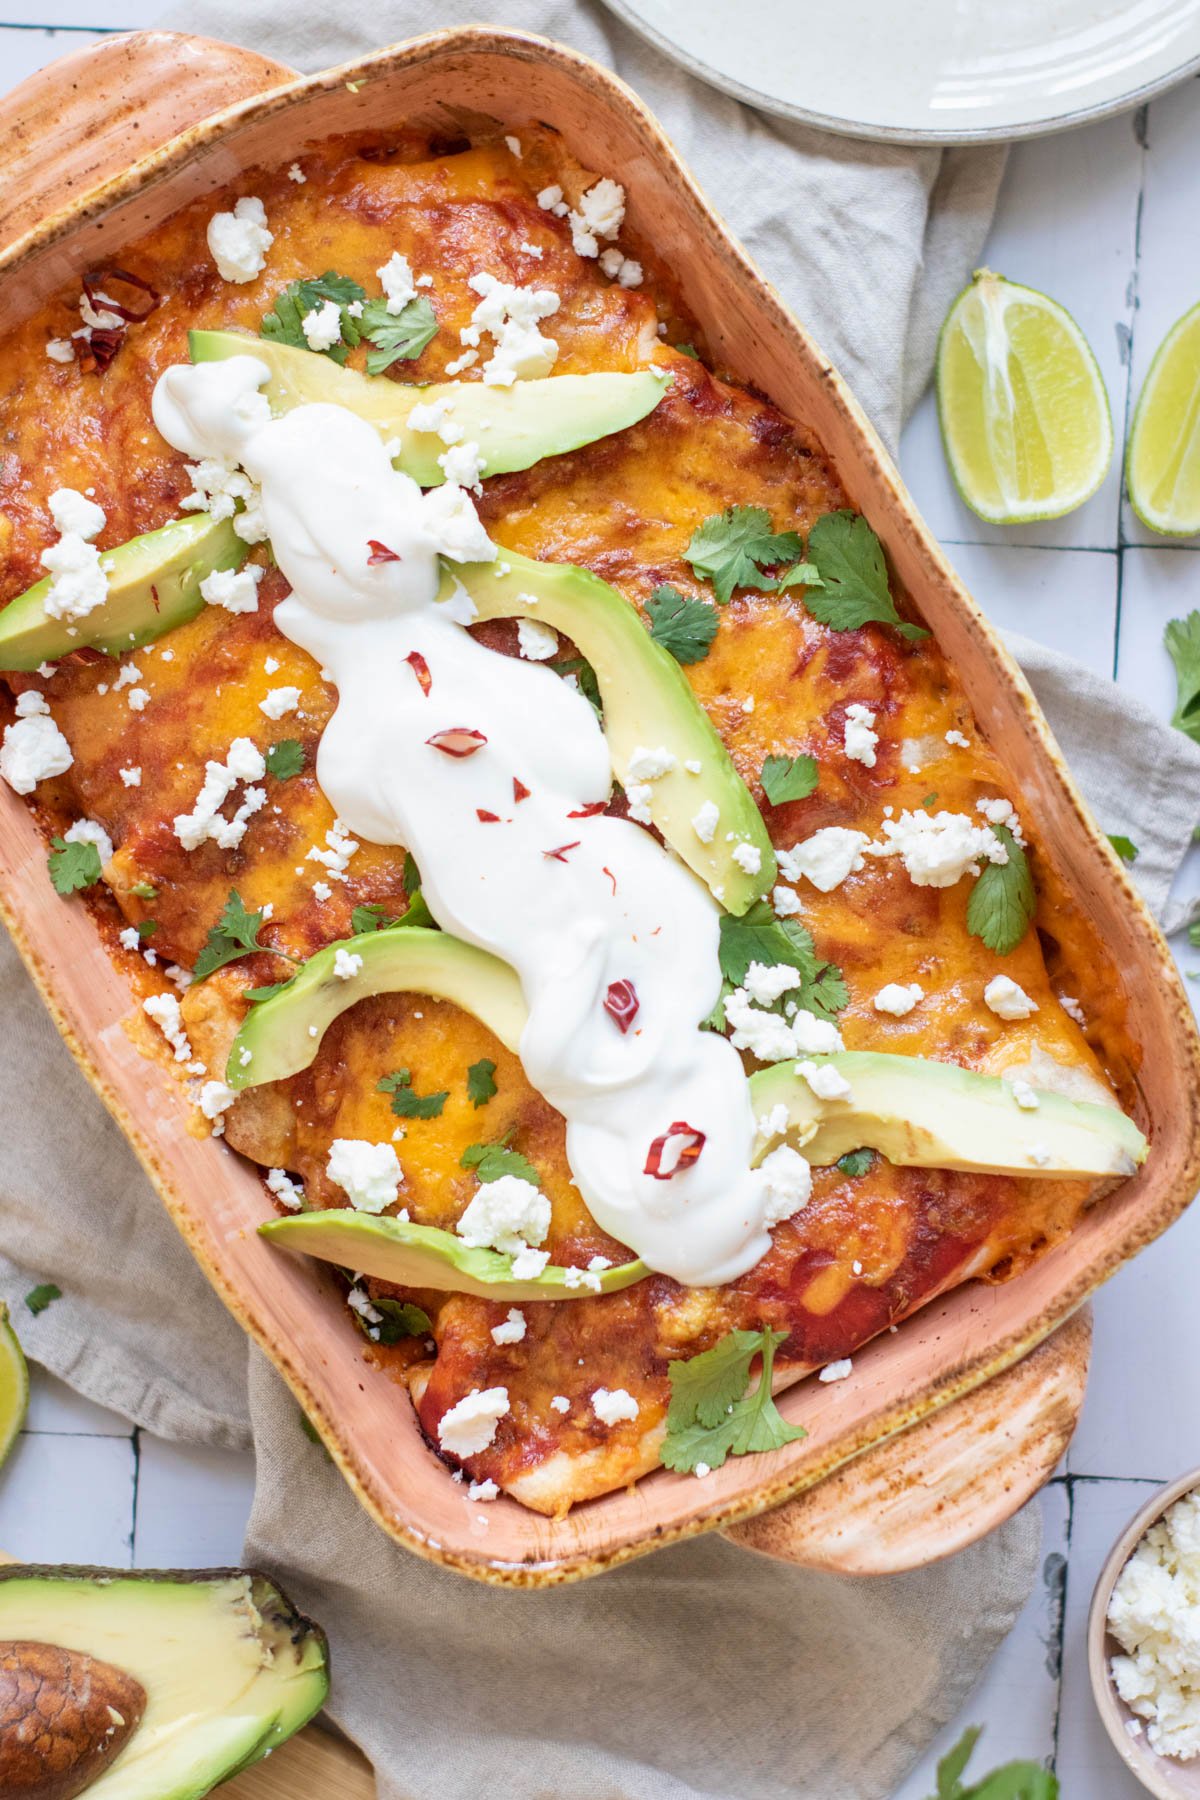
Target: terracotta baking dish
x: 71, y: 129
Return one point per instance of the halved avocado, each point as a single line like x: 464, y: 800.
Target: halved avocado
x: 422, y: 1256
x: 935, y: 1115
x: 647, y: 702
x: 228, y: 1669
x: 283, y: 1034
x: 514, y: 427
x: 153, y: 585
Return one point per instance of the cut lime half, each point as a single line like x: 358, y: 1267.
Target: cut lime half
x: 14, y: 1384
x: 1022, y: 404
x: 1163, y: 460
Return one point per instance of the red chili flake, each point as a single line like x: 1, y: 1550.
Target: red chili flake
x: 85, y: 654
x: 589, y: 811
x: 560, y: 855
x: 457, y: 740
x: 154, y: 597
x: 621, y: 1004
x: 380, y: 553
x: 607, y: 871
x: 485, y: 817
x: 97, y: 284
x: 520, y: 791
x: 420, y: 669
x: 685, y: 1143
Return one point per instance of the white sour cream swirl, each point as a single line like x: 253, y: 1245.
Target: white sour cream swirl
x: 614, y: 907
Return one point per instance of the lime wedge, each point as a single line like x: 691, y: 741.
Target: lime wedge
x: 1022, y: 404
x: 1163, y: 460
x: 14, y: 1384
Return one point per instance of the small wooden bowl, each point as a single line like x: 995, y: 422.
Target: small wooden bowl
x: 1159, y: 1775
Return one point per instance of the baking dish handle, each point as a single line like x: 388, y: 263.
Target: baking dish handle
x: 83, y: 119
x: 944, y: 1483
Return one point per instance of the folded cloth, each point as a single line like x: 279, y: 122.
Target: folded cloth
x: 703, y: 1670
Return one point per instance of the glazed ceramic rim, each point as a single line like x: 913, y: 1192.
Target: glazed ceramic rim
x: 1154, y: 1772
x: 842, y: 126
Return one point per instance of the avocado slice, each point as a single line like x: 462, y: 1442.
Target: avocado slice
x: 514, y: 427
x: 422, y: 1256
x: 935, y: 1115
x: 228, y: 1667
x: 153, y: 585
x: 283, y: 1034
x: 647, y: 701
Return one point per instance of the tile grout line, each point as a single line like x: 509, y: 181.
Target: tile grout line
x: 1060, y: 1625
x: 52, y: 30
x: 136, y: 1440
x: 1141, y: 127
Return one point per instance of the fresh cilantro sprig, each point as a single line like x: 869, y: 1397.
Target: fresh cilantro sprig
x: 1125, y: 847
x: 1182, y: 638
x: 371, y: 918
x: 489, y: 1162
x: 711, y: 1416
x: 681, y: 624
x: 405, y: 1103
x: 735, y: 548
x: 856, y: 1162
x: 399, y: 1319
x: 1003, y: 900
x: 758, y: 936
x: 234, y: 935
x: 585, y: 675
x: 284, y: 323
x: 481, y: 1083
x: 285, y: 759
x: 72, y: 866
x: 397, y: 337
x: 853, y: 588
x: 787, y: 778
x: 1014, y: 1781
x: 42, y: 1296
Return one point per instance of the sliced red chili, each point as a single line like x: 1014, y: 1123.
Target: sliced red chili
x: 589, y: 811
x: 458, y: 740
x: 621, y: 1004
x: 607, y: 871
x: 485, y: 817
x: 102, y: 343
x: 560, y: 855
x: 520, y: 791
x: 420, y: 669
x: 676, y: 1149
x: 154, y: 598
x: 97, y: 283
x: 380, y: 553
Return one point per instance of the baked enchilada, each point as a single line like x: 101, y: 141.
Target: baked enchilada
x: 534, y: 826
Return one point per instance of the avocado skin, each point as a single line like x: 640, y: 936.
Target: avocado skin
x: 423, y: 1256
x: 154, y: 585
x: 514, y: 427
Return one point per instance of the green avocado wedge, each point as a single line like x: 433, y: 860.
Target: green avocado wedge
x: 514, y: 427
x: 647, y: 702
x: 153, y: 585
x: 281, y: 1036
x: 422, y: 1256
x: 934, y: 1115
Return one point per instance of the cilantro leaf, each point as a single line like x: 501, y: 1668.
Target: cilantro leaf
x: 284, y: 323
x: 481, y: 1084
x: 285, y: 759
x: 406, y: 1104
x: 687, y: 350
x: 234, y: 935
x: 147, y: 928
x: 371, y: 918
x: 1182, y: 638
x: 417, y: 913
x: 711, y: 1416
x: 681, y: 624
x: 758, y: 936
x: 490, y: 1161
x: 412, y: 875
x: 1125, y: 847
x: 42, y: 1296
x: 144, y: 890
x: 398, y: 1319
x: 1003, y: 900
x: 1014, y: 1781
x: 73, y: 866
x: 856, y: 1162
x: 584, y: 674
x: 854, y: 587
x: 257, y: 995
x: 732, y: 549
x: 787, y: 778
x: 930, y: 801
x: 397, y: 337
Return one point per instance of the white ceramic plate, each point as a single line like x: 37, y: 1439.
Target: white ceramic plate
x: 937, y: 71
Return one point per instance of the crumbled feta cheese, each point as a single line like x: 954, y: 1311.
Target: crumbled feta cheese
x: 560, y: 1403
x: 1072, y: 1009
x: 528, y: 1263
x: 483, y: 1490
x: 938, y: 849
x: 164, y: 1010
x: 218, y: 487
x: 470, y: 1426
x: 786, y: 902
x: 396, y: 280
x: 234, y: 589
x: 34, y: 749
x: 536, y: 642
x: 551, y: 200
x: 129, y: 939
x: 341, y: 847
x: 346, y: 964
x: 825, y: 858
x: 826, y: 1082
x: 139, y: 699
x: 704, y: 822
x: 279, y: 702
x: 621, y: 268
x: 369, y: 1173
x: 860, y: 740
x: 1154, y: 1614
x: 127, y: 675
x: 765, y: 1035
x: 464, y: 464
x: 534, y: 250
x: 649, y: 765
x: 435, y: 416
x: 239, y: 240
x: 360, y: 1302
x: 322, y: 890
x: 465, y: 361
x: 60, y: 350
x: 508, y: 1215
x: 285, y: 1190
x: 958, y: 740
x: 1025, y: 1096
x: 1040, y: 1156
x: 836, y: 1371
x: 898, y: 1000
x: 748, y: 857
x: 243, y: 763
x: 639, y: 795
x: 765, y: 982
x: 74, y: 513
x: 511, y: 316
x: 1007, y: 1000
x: 513, y: 145
x: 1001, y: 812
x: 600, y: 215
x: 786, y: 1181
x: 456, y: 529
x: 78, y: 580
x: 612, y: 1405
x: 322, y: 327
x: 814, y: 1036
x: 215, y: 1099
x: 774, y: 1123
x: 89, y: 831
x: 512, y: 1330
x: 296, y: 174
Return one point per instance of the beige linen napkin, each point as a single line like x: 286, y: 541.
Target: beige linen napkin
x: 703, y: 1670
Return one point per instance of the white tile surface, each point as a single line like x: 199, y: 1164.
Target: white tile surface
x: 22, y: 52
x: 192, y: 1506
x: 68, y: 1499
x: 1156, y: 586
x: 53, y: 1407
x: 1064, y: 598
